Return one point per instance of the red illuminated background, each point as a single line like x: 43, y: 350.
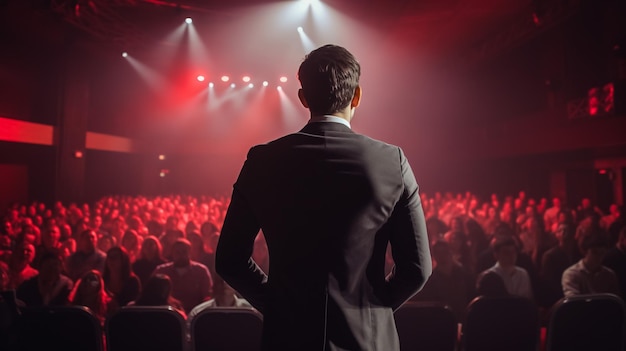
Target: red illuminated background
x: 483, y: 95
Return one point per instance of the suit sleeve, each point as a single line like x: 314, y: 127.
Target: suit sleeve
x: 409, y: 242
x: 233, y: 256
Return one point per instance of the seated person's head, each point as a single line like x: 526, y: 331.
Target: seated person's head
x: 594, y: 248
x: 156, y: 292
x: 87, y: 241
x: 181, y: 253
x: 491, y: 285
x: 442, y: 254
x: 505, y: 250
x: 51, y: 267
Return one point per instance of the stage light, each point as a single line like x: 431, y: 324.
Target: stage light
x: 250, y: 85
x: 200, y: 78
x: 188, y: 20
x: 124, y: 54
x: 161, y: 157
x: 246, y: 79
x: 265, y: 83
x: 279, y: 88
x: 211, y: 85
x: 232, y: 85
x: 300, y: 30
x: 310, y: 2
x: 225, y: 78
x: 283, y: 79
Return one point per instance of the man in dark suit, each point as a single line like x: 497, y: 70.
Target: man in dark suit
x: 328, y: 201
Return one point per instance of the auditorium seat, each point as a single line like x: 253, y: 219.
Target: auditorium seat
x: 69, y: 328
x: 226, y: 329
x: 501, y: 323
x: 587, y: 322
x: 146, y: 328
x: 424, y: 326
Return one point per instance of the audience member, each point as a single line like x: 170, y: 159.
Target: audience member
x: 20, y: 269
x: 131, y: 242
x: 89, y: 291
x: 158, y: 292
x: 516, y: 279
x: 87, y: 257
x: 615, y: 260
x: 588, y: 275
x: 119, y: 281
x: 150, y: 257
x: 224, y: 296
x: 49, y: 287
x: 556, y: 260
x: 191, y: 281
x: 450, y: 283
x: 490, y: 284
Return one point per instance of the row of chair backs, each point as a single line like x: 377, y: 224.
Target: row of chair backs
x: 587, y: 322
x: 138, y: 328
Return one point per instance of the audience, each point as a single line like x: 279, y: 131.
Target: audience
x: 160, y: 251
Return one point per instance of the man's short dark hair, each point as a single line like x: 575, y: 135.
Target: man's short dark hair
x: 501, y: 241
x: 329, y: 76
x: 595, y: 240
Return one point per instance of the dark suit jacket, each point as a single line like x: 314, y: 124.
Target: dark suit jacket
x: 328, y: 201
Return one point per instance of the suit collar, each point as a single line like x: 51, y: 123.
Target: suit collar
x: 321, y: 127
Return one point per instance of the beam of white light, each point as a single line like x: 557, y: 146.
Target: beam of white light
x: 198, y: 52
x: 307, y: 44
x: 188, y: 20
x: 154, y: 80
x: 289, y: 111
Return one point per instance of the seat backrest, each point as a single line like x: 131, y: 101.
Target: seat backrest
x: 70, y: 328
x: 587, y: 322
x: 426, y: 326
x: 501, y: 323
x: 220, y: 329
x: 135, y: 328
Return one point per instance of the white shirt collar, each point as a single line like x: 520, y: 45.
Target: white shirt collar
x: 330, y: 118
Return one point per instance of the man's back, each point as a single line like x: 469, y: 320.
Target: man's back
x: 323, y: 197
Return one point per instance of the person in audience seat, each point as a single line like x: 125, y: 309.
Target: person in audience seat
x: 49, y: 287
x: 516, y: 279
x: 191, y: 281
x: 150, y: 257
x: 87, y: 257
x: 588, y: 275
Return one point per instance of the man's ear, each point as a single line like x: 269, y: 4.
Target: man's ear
x: 302, y: 98
x: 356, y: 99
